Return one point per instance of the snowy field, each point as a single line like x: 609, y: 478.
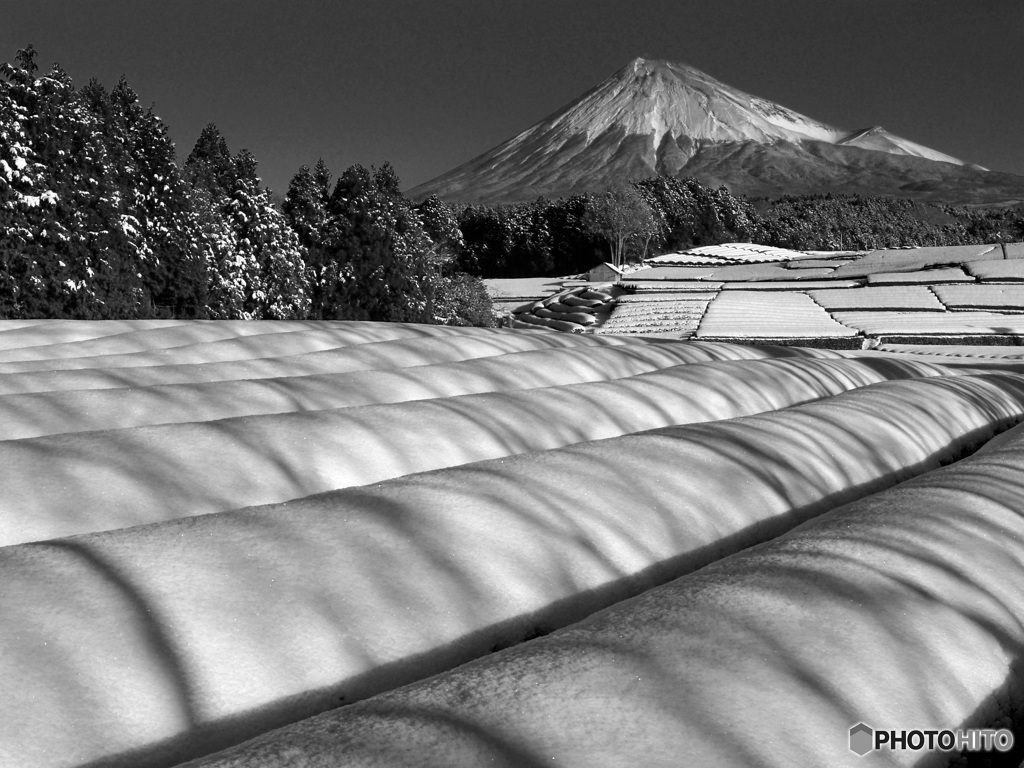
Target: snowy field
x: 412, y: 545
x: 846, y: 300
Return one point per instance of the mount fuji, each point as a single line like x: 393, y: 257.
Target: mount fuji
x: 659, y: 117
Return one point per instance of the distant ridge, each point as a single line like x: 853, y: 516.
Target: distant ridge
x: 659, y: 117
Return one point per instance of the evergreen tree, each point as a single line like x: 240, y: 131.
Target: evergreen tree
x: 262, y: 236
x: 306, y: 209
x: 462, y: 299
x: 210, y: 165
x: 574, y: 247
x: 80, y: 255
x: 386, y: 182
x: 173, y: 267
x: 99, y: 223
x: 27, y: 203
x: 690, y: 214
x: 254, y: 261
x: 442, y: 225
x: 507, y: 241
x: 380, y: 248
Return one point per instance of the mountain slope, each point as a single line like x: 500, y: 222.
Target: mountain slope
x: 656, y: 117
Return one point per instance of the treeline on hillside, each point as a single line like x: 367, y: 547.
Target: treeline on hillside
x: 837, y: 222
x: 664, y: 215
x: 98, y: 221
x: 571, y: 235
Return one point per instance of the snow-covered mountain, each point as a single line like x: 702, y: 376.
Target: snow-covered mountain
x: 658, y: 117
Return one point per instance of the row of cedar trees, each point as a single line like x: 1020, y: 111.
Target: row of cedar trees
x: 97, y: 221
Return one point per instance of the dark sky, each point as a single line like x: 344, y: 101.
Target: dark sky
x: 429, y: 84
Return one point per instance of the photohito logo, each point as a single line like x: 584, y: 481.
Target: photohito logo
x: 860, y: 739
x: 864, y: 739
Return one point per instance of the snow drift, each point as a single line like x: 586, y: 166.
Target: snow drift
x: 902, y: 610
x: 550, y: 497
x: 69, y: 483
x: 188, y: 636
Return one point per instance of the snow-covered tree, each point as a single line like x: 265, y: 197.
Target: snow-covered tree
x: 210, y: 164
x: 96, y: 222
x: 26, y: 200
x: 690, y: 214
x: 306, y: 208
x: 159, y: 215
x: 461, y: 299
x: 506, y: 241
x: 262, y: 235
x: 442, y: 225
x: 305, y: 204
x: 380, y: 248
x: 255, y: 263
x: 75, y: 258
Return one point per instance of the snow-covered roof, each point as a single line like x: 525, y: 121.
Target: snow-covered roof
x: 745, y: 253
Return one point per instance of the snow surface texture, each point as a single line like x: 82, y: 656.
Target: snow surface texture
x: 147, y: 645
x: 902, y: 610
x: 62, y: 484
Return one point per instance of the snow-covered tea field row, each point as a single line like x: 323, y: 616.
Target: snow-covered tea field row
x: 889, y: 297
x: 713, y: 289
x: 901, y: 608
x: 652, y: 313
x: 211, y: 530
x: 757, y: 314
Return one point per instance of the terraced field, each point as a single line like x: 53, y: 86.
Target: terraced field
x: 413, y: 545
x: 915, y: 259
x: 764, y: 315
x: 997, y: 270
x: 920, y: 277
x: 944, y: 281
x: 881, y: 298
x: 988, y: 296
x: 884, y: 325
x: 677, y: 313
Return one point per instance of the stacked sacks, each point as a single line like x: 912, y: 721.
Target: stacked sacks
x: 576, y: 310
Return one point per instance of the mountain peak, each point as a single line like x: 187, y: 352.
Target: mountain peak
x: 661, y: 117
x: 643, y: 67
x: 658, y: 98
x: 637, y: 65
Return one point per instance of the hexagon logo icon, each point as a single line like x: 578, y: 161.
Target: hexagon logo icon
x: 861, y: 738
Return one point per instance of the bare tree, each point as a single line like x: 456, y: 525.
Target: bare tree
x: 619, y: 216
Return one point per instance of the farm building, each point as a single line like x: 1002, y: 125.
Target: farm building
x: 604, y: 273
